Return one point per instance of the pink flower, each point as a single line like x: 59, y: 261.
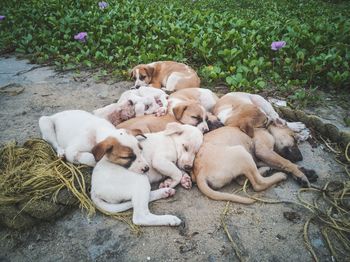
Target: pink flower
x: 275, y: 46
x: 81, y: 37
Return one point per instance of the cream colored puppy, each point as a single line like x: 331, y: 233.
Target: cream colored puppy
x: 136, y: 102
x: 170, y: 75
x: 228, y: 105
x: 115, y: 188
x: 171, y: 154
x: 75, y: 133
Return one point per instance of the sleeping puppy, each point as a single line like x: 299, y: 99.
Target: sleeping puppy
x: 136, y: 102
x: 171, y: 154
x: 115, y: 188
x: 230, y: 102
x: 167, y: 74
x: 228, y: 153
x: 74, y: 134
x: 190, y: 113
x: 205, y: 97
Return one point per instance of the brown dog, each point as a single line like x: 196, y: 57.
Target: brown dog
x: 228, y: 153
x: 168, y: 74
x: 191, y: 113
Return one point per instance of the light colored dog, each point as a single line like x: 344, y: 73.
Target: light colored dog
x: 170, y: 75
x: 116, y: 189
x: 190, y: 113
x: 136, y: 102
x: 171, y: 154
x: 228, y: 153
x: 230, y: 105
x: 75, y: 134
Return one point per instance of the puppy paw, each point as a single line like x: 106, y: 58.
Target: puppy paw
x: 303, y: 181
x: 168, y: 192
x: 60, y: 152
x: 186, y: 181
x: 310, y: 174
x: 161, y: 111
x: 166, y: 183
x: 173, y: 220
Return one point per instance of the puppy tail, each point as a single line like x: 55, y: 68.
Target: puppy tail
x: 216, y: 195
x: 104, y: 206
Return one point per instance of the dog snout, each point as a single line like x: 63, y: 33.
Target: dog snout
x: 188, y: 168
x: 137, y: 86
x: 145, y: 169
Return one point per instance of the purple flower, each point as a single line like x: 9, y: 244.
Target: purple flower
x: 81, y: 37
x: 275, y: 46
x: 2, y: 17
x: 102, y: 5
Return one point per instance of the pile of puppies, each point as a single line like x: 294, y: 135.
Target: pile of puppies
x: 149, y: 136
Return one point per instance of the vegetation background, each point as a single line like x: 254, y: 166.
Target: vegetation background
x: 227, y: 41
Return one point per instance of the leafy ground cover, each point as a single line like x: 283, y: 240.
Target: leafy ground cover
x: 226, y: 41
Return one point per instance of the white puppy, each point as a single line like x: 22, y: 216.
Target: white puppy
x: 145, y: 100
x: 75, y: 133
x: 171, y: 152
x: 116, y: 189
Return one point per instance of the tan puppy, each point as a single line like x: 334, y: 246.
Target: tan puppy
x: 167, y: 74
x: 228, y: 105
x: 190, y: 113
x: 226, y: 154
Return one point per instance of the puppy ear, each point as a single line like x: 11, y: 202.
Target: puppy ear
x: 247, y: 128
x: 179, y: 110
x: 131, y: 73
x: 173, y: 128
x: 102, y: 148
x: 137, y: 133
x: 149, y: 71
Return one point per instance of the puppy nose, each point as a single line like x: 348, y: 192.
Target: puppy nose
x: 145, y: 169
x: 188, y: 168
x: 205, y: 130
x: 137, y: 86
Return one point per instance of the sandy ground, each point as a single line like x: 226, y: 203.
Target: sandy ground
x: 260, y: 230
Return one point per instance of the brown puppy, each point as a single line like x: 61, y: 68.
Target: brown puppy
x: 191, y: 113
x: 168, y: 74
x: 226, y: 154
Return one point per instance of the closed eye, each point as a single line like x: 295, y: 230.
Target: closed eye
x: 142, y: 77
x: 140, y: 146
x: 185, y: 148
x: 198, y: 118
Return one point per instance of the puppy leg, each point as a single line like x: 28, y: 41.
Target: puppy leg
x: 47, y: 129
x: 250, y: 170
x: 142, y: 215
x: 78, y: 157
x: 121, y: 207
x: 267, y: 108
x: 274, y: 160
x: 169, y: 169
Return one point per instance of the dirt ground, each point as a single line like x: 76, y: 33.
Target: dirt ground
x: 261, y: 231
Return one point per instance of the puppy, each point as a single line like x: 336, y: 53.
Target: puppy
x: 139, y: 102
x: 115, y: 188
x: 190, y: 113
x: 205, y: 97
x: 171, y: 154
x: 75, y: 133
x: 226, y: 154
x: 167, y: 74
x: 230, y: 102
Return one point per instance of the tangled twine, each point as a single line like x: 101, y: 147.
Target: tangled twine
x: 330, y: 209
x: 34, y: 172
